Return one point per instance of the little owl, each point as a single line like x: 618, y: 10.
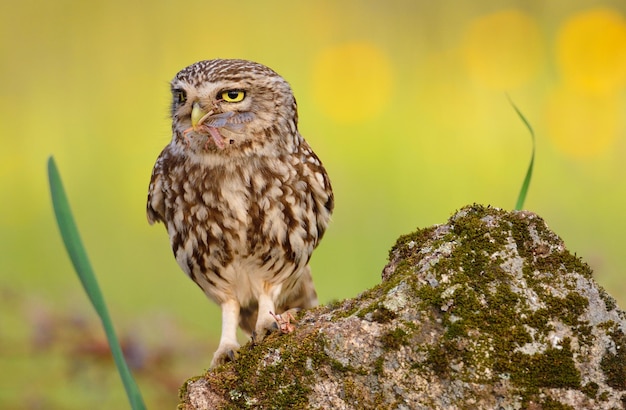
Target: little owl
x: 243, y: 197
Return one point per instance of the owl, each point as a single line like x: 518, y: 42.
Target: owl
x: 243, y: 197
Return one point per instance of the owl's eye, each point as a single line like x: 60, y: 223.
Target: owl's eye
x: 180, y: 95
x: 233, y: 96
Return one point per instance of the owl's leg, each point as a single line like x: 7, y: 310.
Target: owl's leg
x: 265, y: 322
x: 227, y: 349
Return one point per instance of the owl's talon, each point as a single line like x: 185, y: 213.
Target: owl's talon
x: 224, y: 355
x: 259, y: 336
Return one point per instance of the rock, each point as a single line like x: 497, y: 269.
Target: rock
x: 488, y: 311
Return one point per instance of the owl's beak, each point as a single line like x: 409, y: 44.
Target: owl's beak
x: 198, y: 115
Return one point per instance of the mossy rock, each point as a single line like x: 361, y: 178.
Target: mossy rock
x: 486, y: 311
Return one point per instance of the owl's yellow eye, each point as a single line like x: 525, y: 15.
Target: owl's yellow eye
x: 233, y: 96
x: 180, y: 95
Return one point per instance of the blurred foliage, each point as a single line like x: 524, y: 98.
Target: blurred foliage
x: 521, y: 197
x: 78, y: 255
x: 404, y: 101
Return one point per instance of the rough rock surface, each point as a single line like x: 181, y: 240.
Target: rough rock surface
x: 488, y: 311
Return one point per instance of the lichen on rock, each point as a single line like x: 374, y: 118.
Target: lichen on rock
x: 486, y: 311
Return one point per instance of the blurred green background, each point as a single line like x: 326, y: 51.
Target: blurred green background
x: 404, y: 101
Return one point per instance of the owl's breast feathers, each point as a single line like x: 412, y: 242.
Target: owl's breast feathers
x: 268, y: 211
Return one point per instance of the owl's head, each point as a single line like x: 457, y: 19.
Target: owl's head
x: 232, y: 105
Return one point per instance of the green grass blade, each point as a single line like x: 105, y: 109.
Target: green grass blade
x: 78, y: 255
x: 529, y: 173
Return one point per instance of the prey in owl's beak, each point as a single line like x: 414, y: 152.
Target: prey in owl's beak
x: 208, y: 122
x: 198, y: 119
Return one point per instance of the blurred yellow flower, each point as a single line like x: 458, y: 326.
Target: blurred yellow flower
x: 503, y: 50
x: 352, y: 82
x: 591, y: 50
x: 582, y: 125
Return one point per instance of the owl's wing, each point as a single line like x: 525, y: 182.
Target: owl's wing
x: 156, y: 202
x: 321, y: 189
x: 322, y: 186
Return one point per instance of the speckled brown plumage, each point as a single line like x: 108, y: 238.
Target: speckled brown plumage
x: 243, y: 197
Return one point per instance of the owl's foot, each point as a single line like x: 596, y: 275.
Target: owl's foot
x: 225, y: 354
x: 262, y: 332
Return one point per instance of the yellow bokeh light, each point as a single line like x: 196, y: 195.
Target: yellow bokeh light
x: 503, y: 50
x: 582, y: 125
x: 352, y: 82
x: 591, y: 50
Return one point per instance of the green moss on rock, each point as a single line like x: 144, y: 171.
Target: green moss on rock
x: 613, y: 362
